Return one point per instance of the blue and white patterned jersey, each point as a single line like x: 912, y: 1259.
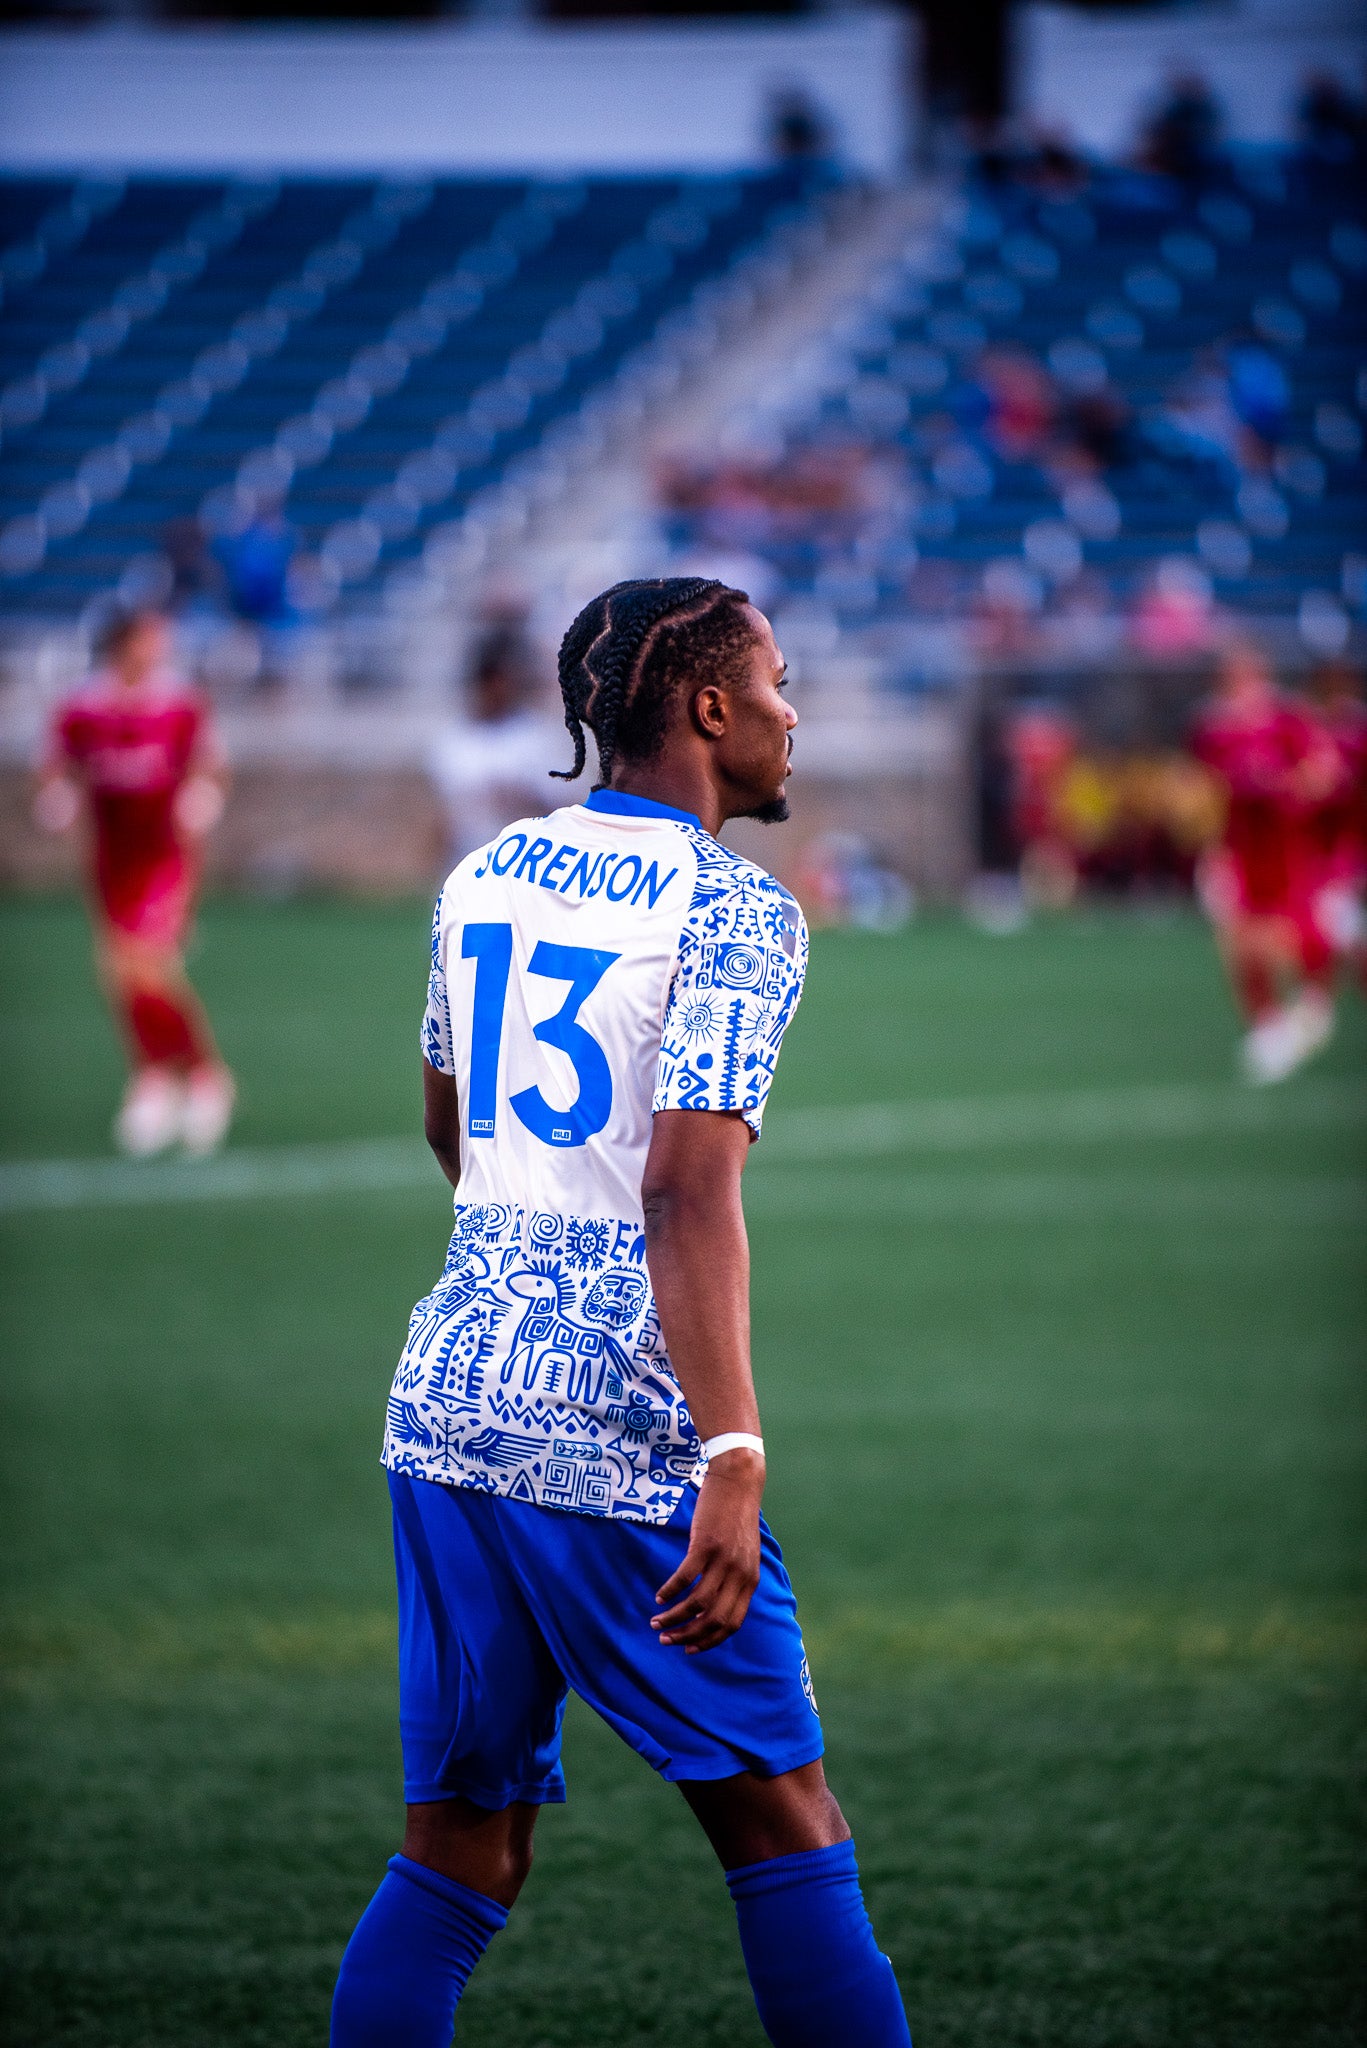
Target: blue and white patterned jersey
x: 588, y: 969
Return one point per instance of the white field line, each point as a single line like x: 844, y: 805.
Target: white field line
x: 1078, y: 1117
x: 372, y: 1166
x: 859, y: 1133
x: 1329, y: 1202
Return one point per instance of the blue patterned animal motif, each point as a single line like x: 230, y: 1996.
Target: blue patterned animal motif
x: 406, y: 1426
x: 502, y: 1448
x: 451, y: 1335
x: 551, y: 1349
x: 639, y: 1419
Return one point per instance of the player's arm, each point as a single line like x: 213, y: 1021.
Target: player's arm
x: 204, y: 792
x: 699, y: 1260
x: 441, y: 1120
x: 56, y: 800
x: 56, y: 791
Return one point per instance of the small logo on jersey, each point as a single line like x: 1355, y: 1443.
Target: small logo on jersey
x: 483, y: 1126
x: 806, y: 1677
x: 561, y: 1134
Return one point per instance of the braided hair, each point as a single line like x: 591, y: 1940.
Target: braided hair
x: 626, y: 653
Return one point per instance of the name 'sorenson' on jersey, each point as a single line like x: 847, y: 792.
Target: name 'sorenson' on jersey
x: 588, y: 969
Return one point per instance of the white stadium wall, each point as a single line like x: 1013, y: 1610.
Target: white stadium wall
x: 1093, y: 77
x: 449, y: 98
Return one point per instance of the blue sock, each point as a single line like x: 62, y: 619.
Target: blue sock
x: 819, y: 1978
x: 410, y: 1958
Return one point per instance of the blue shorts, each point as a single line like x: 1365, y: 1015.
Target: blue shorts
x: 504, y: 1607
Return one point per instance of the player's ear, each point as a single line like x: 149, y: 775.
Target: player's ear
x: 708, y: 710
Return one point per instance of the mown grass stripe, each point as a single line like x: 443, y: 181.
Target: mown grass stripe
x: 861, y: 1131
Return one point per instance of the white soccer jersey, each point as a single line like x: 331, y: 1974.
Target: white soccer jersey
x: 588, y: 969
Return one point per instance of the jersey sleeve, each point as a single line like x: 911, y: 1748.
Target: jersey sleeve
x: 437, y: 1047
x: 737, y: 978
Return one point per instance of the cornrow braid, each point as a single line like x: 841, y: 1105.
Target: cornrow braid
x: 616, y: 673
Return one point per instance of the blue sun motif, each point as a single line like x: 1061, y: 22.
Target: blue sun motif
x: 587, y: 1241
x: 698, y: 1020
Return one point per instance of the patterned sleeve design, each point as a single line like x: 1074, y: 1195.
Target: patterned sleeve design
x: 437, y: 1047
x: 742, y: 957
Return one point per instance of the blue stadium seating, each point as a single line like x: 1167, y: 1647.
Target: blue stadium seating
x: 1138, y: 279
x: 375, y: 351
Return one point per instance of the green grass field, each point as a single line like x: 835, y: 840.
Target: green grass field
x: 1061, y: 1380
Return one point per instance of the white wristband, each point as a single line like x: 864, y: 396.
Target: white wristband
x: 733, y: 1440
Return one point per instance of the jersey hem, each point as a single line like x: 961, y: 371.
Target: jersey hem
x: 515, y: 1487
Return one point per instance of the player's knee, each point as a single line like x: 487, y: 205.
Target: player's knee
x: 489, y: 1852
x: 518, y: 1866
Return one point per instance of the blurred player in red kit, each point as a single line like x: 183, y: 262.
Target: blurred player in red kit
x: 1259, y: 884
x: 133, y: 749
x: 1339, y: 822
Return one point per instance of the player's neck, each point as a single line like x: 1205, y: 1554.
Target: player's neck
x: 684, y: 785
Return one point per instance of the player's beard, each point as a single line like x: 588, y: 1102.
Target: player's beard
x: 773, y: 813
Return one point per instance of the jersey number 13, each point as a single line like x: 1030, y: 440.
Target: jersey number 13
x: 491, y: 947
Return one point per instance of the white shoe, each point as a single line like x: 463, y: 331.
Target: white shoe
x: 207, y: 1110
x: 1287, y: 1039
x: 1313, y: 1012
x: 1272, y: 1050
x: 150, y: 1117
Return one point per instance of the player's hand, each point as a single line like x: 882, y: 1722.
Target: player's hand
x: 199, y: 805
x: 57, y: 804
x: 712, y: 1588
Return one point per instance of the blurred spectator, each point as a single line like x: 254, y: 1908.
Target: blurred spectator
x: 1111, y: 818
x: 1197, y: 419
x: 1093, y: 431
x: 1056, y: 169
x: 1045, y: 163
x: 1020, y: 402
x: 256, y: 559
x: 798, y: 130
x: 1259, y: 393
x: 1175, y: 616
x: 817, y: 499
x: 493, y: 764
x: 1181, y: 139
x: 1005, y: 616
x: 195, y: 584
x: 1084, y: 625
x: 1332, y: 122
x: 841, y: 880
x: 1183, y: 136
x: 997, y: 843
x: 1042, y: 743
x: 504, y: 671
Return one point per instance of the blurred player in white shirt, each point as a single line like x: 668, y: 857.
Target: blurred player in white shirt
x: 490, y: 764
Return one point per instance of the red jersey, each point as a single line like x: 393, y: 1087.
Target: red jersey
x: 1265, y: 837
x: 132, y: 749
x: 1338, y: 824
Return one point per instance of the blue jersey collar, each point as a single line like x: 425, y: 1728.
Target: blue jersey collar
x: 619, y: 803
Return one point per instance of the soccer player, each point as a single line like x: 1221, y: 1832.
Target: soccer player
x: 134, y: 749
x: 573, y: 1445
x: 1258, y: 883
x: 1339, y: 822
